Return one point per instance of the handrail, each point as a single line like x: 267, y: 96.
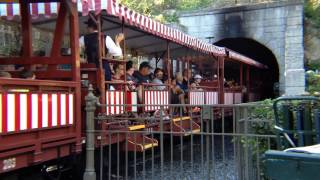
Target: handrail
x: 30, y: 82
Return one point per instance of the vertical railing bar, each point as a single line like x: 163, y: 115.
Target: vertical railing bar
x: 152, y: 157
x: 223, y: 144
x: 258, y: 158
x: 127, y: 158
x: 135, y: 156
x: 235, y: 139
x: 191, y: 144
x: 118, y: 155
x: 171, y: 144
x: 110, y: 146
x: 201, y: 131
x: 143, y: 157
x: 207, y: 148
x: 212, y: 136
x: 101, y: 157
x: 246, y: 141
x: 161, y: 142
x: 181, y: 144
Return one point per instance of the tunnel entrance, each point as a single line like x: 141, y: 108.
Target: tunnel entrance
x: 269, y: 86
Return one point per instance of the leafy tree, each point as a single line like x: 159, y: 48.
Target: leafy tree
x: 312, y: 11
x: 165, y: 10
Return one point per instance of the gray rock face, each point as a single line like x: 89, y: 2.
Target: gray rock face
x: 277, y: 26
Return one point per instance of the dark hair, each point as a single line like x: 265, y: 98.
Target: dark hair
x: 116, y: 66
x: 25, y: 74
x: 129, y: 65
x: 144, y: 65
x: 157, y: 70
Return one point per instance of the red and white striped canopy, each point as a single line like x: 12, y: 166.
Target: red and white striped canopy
x: 144, y: 23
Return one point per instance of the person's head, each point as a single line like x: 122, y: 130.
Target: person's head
x: 119, y: 37
x: 4, y: 74
x: 130, y: 68
x: 179, y: 77
x: 158, y: 73
x: 197, y: 78
x: 27, y: 74
x: 187, y: 73
x: 145, y: 68
x: 118, y: 69
x: 91, y: 25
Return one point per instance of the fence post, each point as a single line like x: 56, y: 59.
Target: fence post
x: 91, y: 100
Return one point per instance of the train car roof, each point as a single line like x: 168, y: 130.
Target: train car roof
x: 144, y: 35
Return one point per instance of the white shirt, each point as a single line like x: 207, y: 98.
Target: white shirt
x: 113, y: 49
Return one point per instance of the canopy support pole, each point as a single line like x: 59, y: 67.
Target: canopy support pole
x: 26, y: 29
x: 221, y: 79
x: 248, y: 82
x: 75, y: 64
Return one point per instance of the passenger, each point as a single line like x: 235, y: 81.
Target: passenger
x: 114, y: 48
x: 158, y: 79
x: 196, y: 84
x: 142, y: 75
x: 89, y: 43
x: 180, y: 82
x: 129, y: 76
x: 187, y: 75
x: 27, y: 74
x: 177, y: 96
x: 118, y: 76
x: 4, y: 74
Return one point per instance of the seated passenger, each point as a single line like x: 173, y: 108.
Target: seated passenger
x: 196, y: 84
x: 118, y: 76
x: 158, y: 73
x: 177, y: 96
x: 186, y: 81
x: 4, y: 74
x: 27, y: 74
x: 142, y: 75
x: 180, y: 82
x: 129, y: 76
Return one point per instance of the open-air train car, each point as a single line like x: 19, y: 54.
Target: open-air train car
x: 44, y: 119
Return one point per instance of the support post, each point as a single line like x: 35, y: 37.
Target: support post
x: 248, y: 82
x: 221, y: 79
x: 26, y: 29
x: 168, y: 62
x: 91, y: 100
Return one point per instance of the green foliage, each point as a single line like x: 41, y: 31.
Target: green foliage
x: 312, y: 11
x: 313, y: 82
x: 165, y: 10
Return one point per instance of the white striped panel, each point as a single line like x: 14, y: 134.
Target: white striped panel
x: 117, y: 102
x: 3, y: 9
x: 45, y: 106
x: 34, y: 109
x: 1, y: 113
x: 54, y: 8
x: 23, y: 111
x: 238, y: 98
x: 11, y: 112
x: 71, y: 109
x: 54, y: 110
x: 79, y: 5
x: 63, y: 109
x: 122, y: 102
x: 107, y: 102
x: 228, y: 98
x: 41, y: 8
x: 16, y: 9
x: 134, y: 101
x: 112, y: 102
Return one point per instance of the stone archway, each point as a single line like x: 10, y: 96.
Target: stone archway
x: 261, y: 53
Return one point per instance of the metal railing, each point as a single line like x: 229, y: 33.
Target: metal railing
x: 217, y: 142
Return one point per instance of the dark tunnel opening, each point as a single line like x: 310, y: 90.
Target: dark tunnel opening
x: 266, y: 80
